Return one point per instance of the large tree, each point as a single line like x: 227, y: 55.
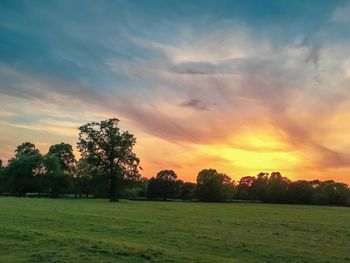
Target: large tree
x: 111, y: 150
x: 65, y: 155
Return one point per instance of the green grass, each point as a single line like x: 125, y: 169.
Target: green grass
x: 63, y: 230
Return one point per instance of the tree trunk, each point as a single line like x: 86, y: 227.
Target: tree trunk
x: 113, y: 189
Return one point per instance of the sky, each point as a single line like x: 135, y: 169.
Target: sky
x: 239, y: 86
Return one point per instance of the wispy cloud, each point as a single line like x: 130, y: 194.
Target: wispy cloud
x: 186, y: 78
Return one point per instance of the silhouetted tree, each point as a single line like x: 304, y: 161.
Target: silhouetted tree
x: 259, y: 187
x: 21, y: 174
x: 213, y: 186
x: 2, y: 178
x: 187, y: 191
x: 54, y: 181
x: 300, y: 192
x: 83, y: 178
x: 27, y: 149
x: 134, y: 189
x: 65, y: 155
x: 108, y: 159
x: 276, y: 189
x: 244, y: 188
x: 111, y: 150
x: 331, y: 193
x: 164, y: 185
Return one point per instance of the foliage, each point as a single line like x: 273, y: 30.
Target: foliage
x: 21, y: 174
x: 300, y: 192
x: 111, y: 151
x: 135, y: 189
x: 2, y: 178
x: 278, y: 189
x: 55, y: 181
x: 107, y: 153
x: 213, y: 186
x: 84, y: 173
x: 187, y: 190
x: 164, y: 185
x: 31, y: 172
x: 65, y: 155
x: 26, y: 149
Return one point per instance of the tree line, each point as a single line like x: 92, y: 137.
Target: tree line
x: 109, y: 168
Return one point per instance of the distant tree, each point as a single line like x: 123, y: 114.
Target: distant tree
x: 111, y: 150
x: 134, y: 189
x: 143, y: 187
x: 2, y: 178
x: 228, y: 186
x: 259, y: 187
x: 187, y: 191
x: 331, y: 193
x: 247, y: 181
x: 244, y: 191
x: 21, y: 174
x: 341, y: 194
x: 164, y: 185
x: 213, y: 186
x: 320, y: 198
x: 27, y: 149
x: 65, y: 155
x: 276, y: 189
x: 153, y: 188
x: 53, y: 180
x: 300, y: 192
x: 83, y: 178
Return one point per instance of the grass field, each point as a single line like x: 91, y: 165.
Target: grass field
x: 63, y: 230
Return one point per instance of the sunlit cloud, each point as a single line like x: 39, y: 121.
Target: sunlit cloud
x: 218, y: 87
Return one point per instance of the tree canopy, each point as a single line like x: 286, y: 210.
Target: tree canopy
x: 213, y: 186
x: 164, y: 185
x: 27, y: 149
x: 65, y: 155
x: 110, y: 149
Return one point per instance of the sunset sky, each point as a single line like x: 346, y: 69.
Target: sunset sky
x: 240, y: 86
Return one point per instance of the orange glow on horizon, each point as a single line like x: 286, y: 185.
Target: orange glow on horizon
x: 245, y: 153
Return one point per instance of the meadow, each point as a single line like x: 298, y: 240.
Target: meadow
x: 92, y: 230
